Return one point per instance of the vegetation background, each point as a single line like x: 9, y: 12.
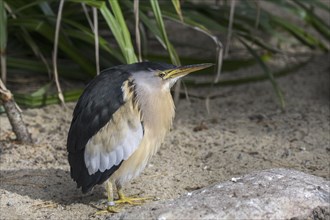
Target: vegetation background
x: 45, y: 44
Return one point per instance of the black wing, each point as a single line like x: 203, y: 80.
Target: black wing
x: 101, y: 98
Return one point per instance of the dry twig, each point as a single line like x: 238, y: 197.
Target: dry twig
x: 14, y: 115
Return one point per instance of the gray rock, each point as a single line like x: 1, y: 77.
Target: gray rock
x: 270, y: 194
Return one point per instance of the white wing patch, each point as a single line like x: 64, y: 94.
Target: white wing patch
x: 115, y: 142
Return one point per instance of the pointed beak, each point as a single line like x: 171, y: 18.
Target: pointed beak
x: 181, y: 71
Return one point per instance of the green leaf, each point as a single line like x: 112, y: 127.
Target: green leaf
x: 78, y: 31
x: 310, y: 17
x: 249, y: 79
x: 125, y: 32
x: 159, y: 19
x: 92, y: 3
x: 19, y: 6
x: 119, y: 29
x: 257, y: 41
x: 303, y: 36
x: 35, y: 48
x: 47, y: 10
x: 3, y: 27
x: 177, y: 6
x: 44, y: 97
x: 151, y: 27
x: 47, y: 31
x: 42, y: 90
x: 70, y: 70
x: 267, y: 72
x: 314, y: 3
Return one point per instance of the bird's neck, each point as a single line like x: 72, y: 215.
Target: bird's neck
x: 157, y: 108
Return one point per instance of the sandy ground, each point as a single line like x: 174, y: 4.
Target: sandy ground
x: 245, y: 131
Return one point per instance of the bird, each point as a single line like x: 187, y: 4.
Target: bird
x: 119, y: 122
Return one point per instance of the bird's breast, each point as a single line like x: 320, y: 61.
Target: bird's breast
x: 157, y: 112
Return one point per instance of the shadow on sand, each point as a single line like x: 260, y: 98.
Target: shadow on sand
x: 48, y: 185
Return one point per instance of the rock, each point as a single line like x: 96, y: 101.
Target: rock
x: 319, y: 213
x: 269, y: 194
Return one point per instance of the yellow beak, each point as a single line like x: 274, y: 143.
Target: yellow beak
x: 184, y: 70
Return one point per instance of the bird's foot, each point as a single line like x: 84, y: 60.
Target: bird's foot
x: 110, y: 209
x: 132, y: 201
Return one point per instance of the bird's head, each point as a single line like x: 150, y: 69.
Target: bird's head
x: 171, y: 75
x: 163, y: 75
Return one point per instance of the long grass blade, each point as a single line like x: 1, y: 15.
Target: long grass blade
x: 45, y: 7
x: 88, y: 17
x: 230, y: 26
x: 57, y: 31
x: 157, y: 32
x: 137, y: 29
x: 89, y: 38
x: 3, y: 40
x: 96, y: 37
x: 257, y: 41
x: 303, y: 36
x: 311, y: 18
x: 152, y: 28
x: 248, y: 79
x: 70, y: 71
x: 124, y: 31
x: 25, y: 7
x: 47, y: 31
x: 35, y: 48
x: 256, y: 25
x: 177, y: 6
x: 319, y: 4
x: 119, y: 29
x: 219, y: 55
x: 159, y: 19
x: 92, y: 3
x: 26, y: 36
x: 200, y: 28
x: 267, y: 71
x: 173, y: 55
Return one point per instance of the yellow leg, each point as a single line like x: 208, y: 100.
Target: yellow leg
x: 133, y: 201
x: 110, y: 204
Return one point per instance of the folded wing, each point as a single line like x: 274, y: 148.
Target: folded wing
x: 100, y: 137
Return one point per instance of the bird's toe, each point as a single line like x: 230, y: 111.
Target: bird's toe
x: 109, y: 209
x: 133, y: 201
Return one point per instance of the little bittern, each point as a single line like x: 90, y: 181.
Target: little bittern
x: 119, y: 122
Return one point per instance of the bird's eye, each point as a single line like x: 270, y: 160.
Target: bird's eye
x: 161, y: 75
